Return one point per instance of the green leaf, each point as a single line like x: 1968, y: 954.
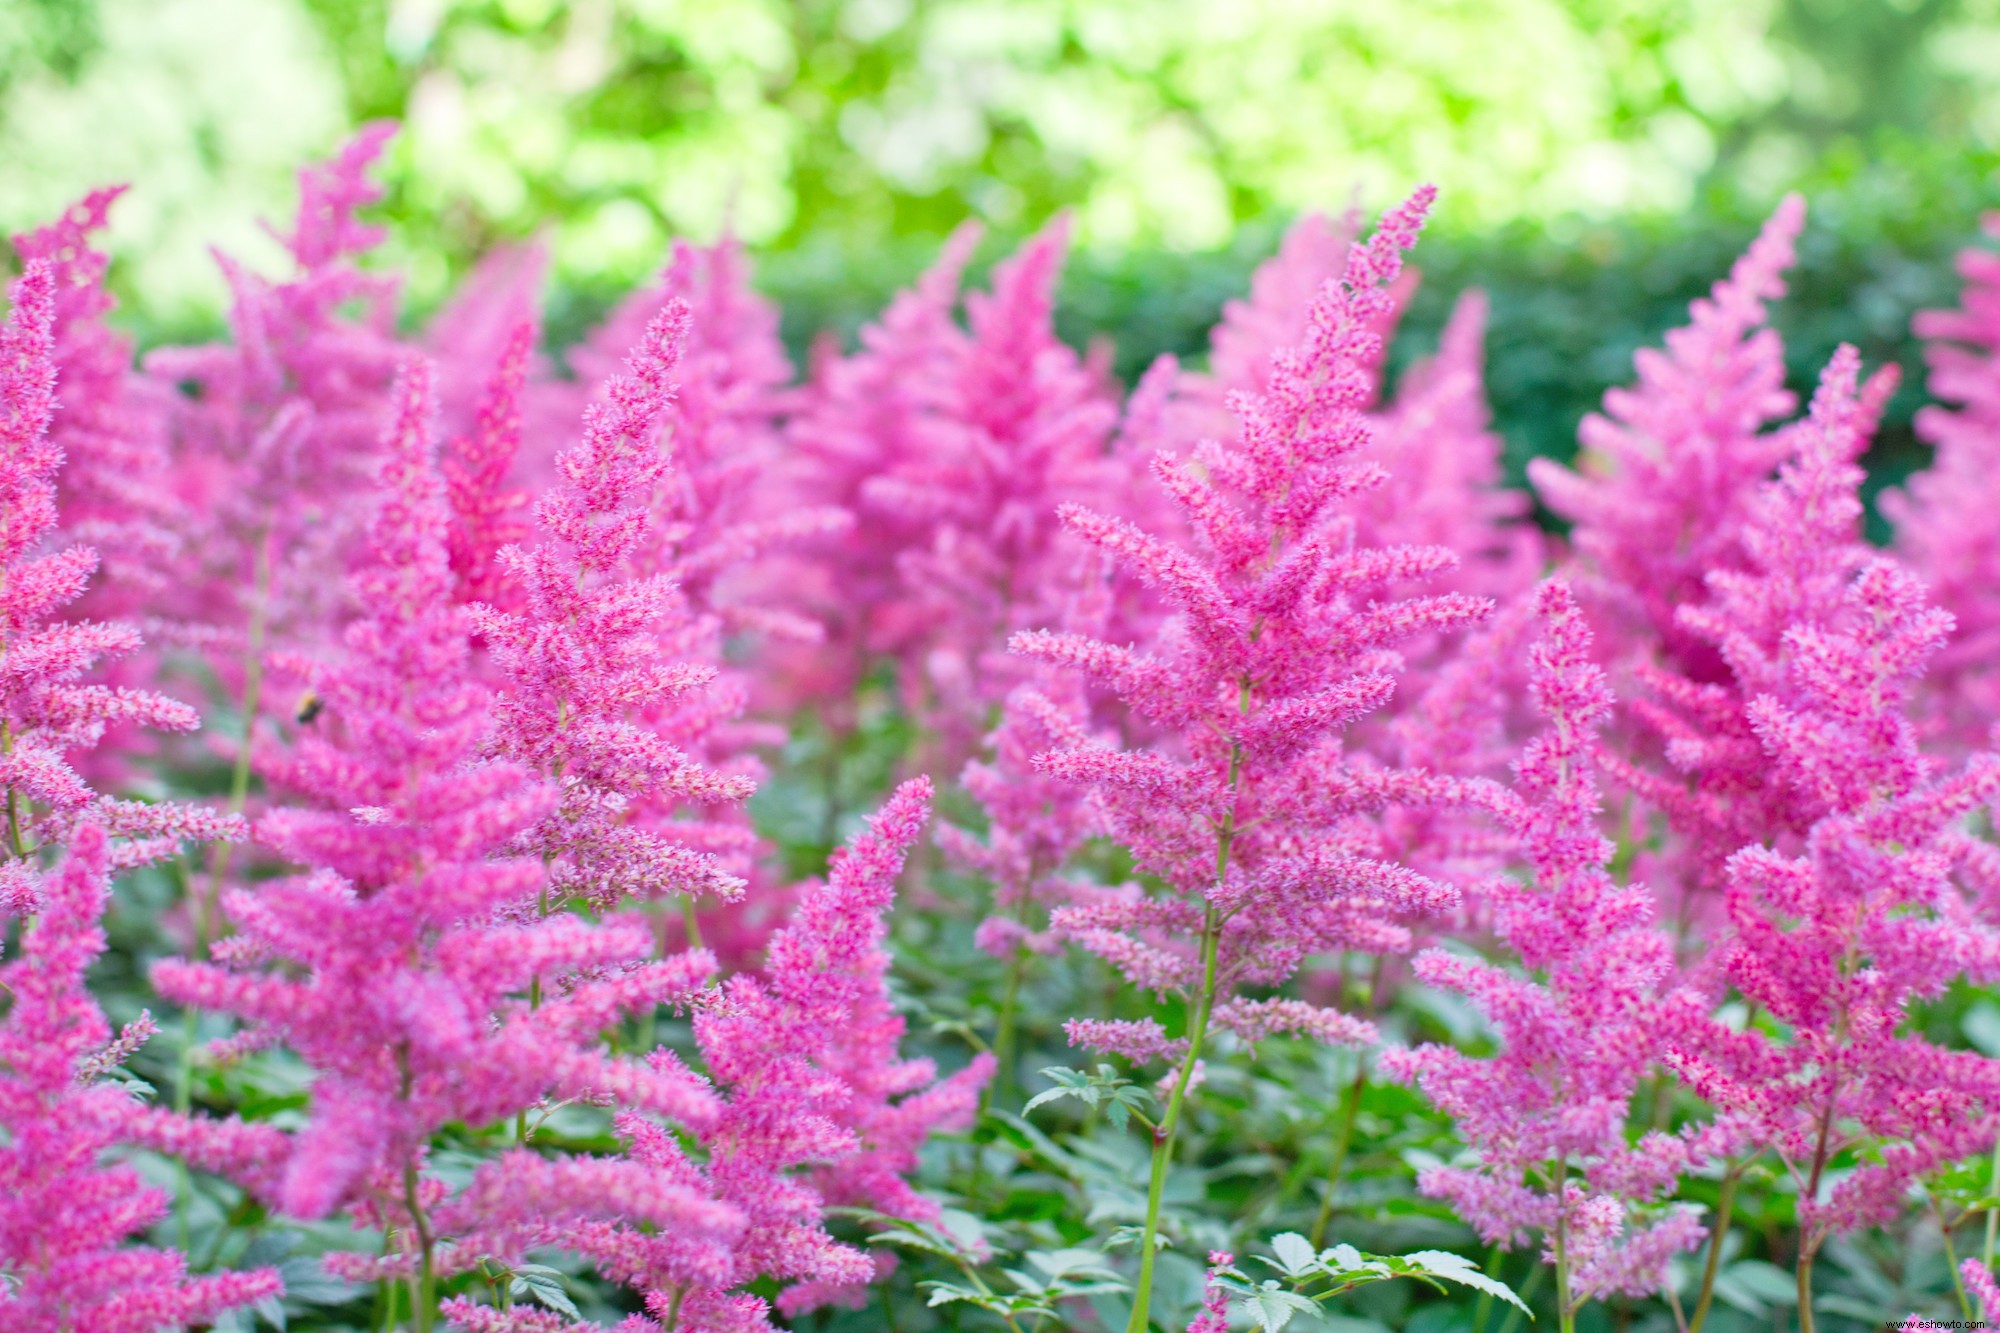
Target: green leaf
x: 546, y: 1286
x: 1753, y: 1287
x: 1295, y: 1253
x: 1457, y: 1268
x: 1273, y: 1306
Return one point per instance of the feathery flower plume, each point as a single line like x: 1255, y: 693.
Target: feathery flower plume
x: 1943, y: 514
x: 477, y: 468
x: 394, y: 965
x: 1025, y: 427
x: 864, y: 417
x: 1860, y: 897
x: 1657, y: 499
x: 817, y: 1108
x: 65, y: 1216
x: 1547, y: 1113
x: 282, y: 426
x: 1444, y: 487
x: 1283, y: 636
x: 114, y: 493
x: 1434, y: 439
x: 607, y: 669
x: 716, y: 511
x: 46, y: 712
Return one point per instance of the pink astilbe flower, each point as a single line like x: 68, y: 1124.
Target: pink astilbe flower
x: 1214, y: 1316
x: 65, y: 1215
x: 280, y: 428
x: 395, y: 965
x: 1024, y: 428
x: 1657, y: 499
x: 1546, y: 1114
x: 1277, y: 645
x: 863, y: 417
x: 722, y: 428
x: 109, y: 422
x: 1944, y: 527
x: 818, y: 1108
x: 1979, y: 1284
x: 955, y: 504
x: 46, y: 711
x: 487, y: 510
x: 607, y: 669
x: 1435, y: 440
x: 475, y: 331
x: 1035, y: 822
x: 1246, y: 341
x: 1283, y: 636
x: 1858, y: 900
x: 1797, y: 546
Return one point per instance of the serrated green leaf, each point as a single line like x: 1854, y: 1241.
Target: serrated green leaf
x: 1295, y: 1253
x: 545, y: 1285
x: 1457, y: 1268
x: 1273, y: 1306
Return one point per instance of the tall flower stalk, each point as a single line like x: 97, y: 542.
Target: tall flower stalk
x: 1283, y: 635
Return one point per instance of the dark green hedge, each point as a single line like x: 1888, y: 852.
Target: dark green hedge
x: 1571, y: 301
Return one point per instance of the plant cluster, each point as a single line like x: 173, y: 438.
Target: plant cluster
x: 1335, y: 868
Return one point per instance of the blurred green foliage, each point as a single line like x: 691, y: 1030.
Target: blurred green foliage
x: 1601, y: 161
x: 857, y: 126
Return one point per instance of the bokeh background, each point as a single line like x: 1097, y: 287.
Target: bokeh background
x: 1600, y: 161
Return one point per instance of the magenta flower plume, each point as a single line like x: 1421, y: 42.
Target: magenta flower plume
x: 1657, y: 502
x: 717, y: 511
x: 1546, y: 1115
x: 1798, y: 545
x: 282, y: 426
x: 1944, y: 527
x: 474, y: 332
x: 65, y: 1214
x: 818, y: 1108
x: 866, y: 417
x: 1025, y: 427
x: 395, y: 965
x: 1979, y: 1284
x: 487, y: 510
x: 1862, y: 896
x: 47, y: 712
x: 1277, y: 645
x: 109, y: 423
x: 1246, y: 341
x: 607, y: 669
x: 1284, y: 633
x: 1435, y: 440
x: 1035, y: 822
x: 1214, y: 1316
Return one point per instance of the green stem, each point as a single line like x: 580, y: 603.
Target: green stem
x: 1484, y: 1307
x: 423, y: 1287
x: 239, y: 774
x: 1951, y: 1258
x: 1565, y: 1311
x: 1008, y: 1023
x: 1993, y: 1213
x: 1350, y: 1109
x: 690, y: 921
x: 1163, y: 1133
x: 1716, y: 1236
